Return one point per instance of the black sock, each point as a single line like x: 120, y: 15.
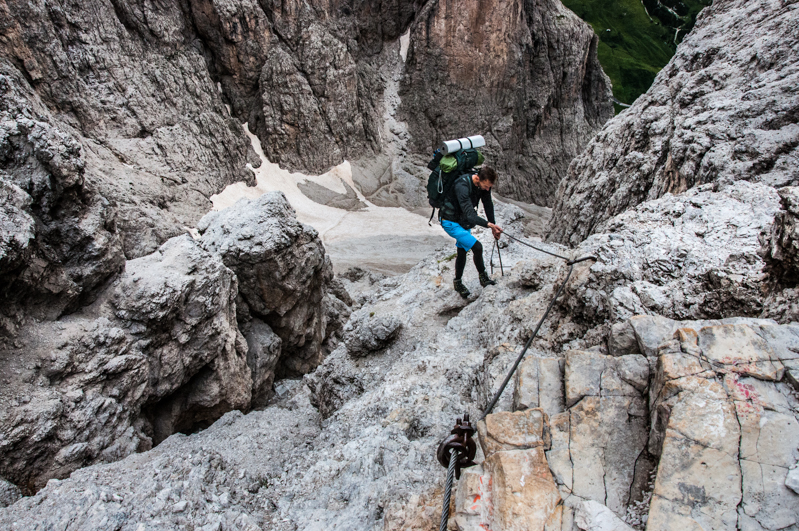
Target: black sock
x: 460, y: 263
x: 477, y: 250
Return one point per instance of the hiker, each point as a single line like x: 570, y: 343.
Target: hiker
x: 458, y: 215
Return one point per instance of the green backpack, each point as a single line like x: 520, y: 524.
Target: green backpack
x: 446, y: 169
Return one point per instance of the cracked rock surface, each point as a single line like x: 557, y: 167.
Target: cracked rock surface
x: 169, y: 346
x: 351, y: 445
x: 723, y: 109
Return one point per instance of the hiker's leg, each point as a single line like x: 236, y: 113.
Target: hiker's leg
x: 477, y: 250
x: 460, y: 263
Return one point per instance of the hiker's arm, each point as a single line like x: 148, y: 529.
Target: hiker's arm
x: 465, y: 202
x: 488, y: 206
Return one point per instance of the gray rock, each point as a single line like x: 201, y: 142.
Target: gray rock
x: 782, y: 249
x: 263, y: 353
x: 729, y: 412
x: 531, y: 140
x: 159, y: 352
x: 334, y: 382
x: 59, y: 236
x: 538, y: 383
x: 593, y: 516
x: 283, y: 275
x: 723, y: 109
x: 9, y: 493
x: 155, y: 137
x: 598, y: 447
x: 367, y: 333
x: 690, y: 256
x: 792, y: 479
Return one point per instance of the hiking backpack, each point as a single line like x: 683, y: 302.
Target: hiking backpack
x: 446, y: 169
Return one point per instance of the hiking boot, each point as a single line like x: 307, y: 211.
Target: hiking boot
x: 485, y: 280
x: 461, y: 289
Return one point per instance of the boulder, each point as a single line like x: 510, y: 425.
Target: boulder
x: 9, y: 493
x: 158, y: 353
x: 283, y: 273
x: 365, y: 333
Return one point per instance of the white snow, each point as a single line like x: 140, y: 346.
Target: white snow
x: 334, y: 225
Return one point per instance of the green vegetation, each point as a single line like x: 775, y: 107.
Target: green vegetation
x: 636, y: 37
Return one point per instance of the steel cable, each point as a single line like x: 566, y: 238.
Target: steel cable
x: 453, y: 458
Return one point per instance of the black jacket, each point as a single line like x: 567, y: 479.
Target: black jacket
x: 461, y: 203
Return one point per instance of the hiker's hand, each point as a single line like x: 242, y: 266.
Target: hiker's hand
x: 495, y: 230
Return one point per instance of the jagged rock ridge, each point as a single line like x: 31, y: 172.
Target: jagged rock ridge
x: 725, y: 108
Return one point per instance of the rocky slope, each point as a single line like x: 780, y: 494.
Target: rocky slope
x: 119, y: 121
x: 176, y: 341
x: 540, y: 100
x: 723, y: 109
x: 352, y: 444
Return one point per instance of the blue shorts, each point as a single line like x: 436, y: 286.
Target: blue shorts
x: 463, y: 237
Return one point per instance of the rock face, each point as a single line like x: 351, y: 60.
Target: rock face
x: 724, y: 109
x: 59, y: 238
x: 543, y: 102
x: 715, y: 420
x: 283, y: 273
x: 161, y: 349
x: 159, y: 352
x: 691, y: 256
x: 130, y: 84
x: 783, y: 243
x: 349, y: 446
x: 725, y: 410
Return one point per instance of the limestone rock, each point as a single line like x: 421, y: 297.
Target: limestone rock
x: 741, y: 350
x: 334, y: 382
x: 59, y: 236
x: 473, y: 504
x: 746, y: 427
x: 724, y: 77
x: 154, y: 135
x: 9, y: 493
x: 593, y: 516
x: 282, y: 271
x: 523, y: 492
x: 689, y: 491
x: 367, y: 333
x: 783, y: 242
x: 792, y: 479
x: 456, y: 48
x: 159, y: 353
x: 539, y: 384
x: 514, y: 431
x: 689, y: 256
x: 263, y: 353
x: 598, y: 445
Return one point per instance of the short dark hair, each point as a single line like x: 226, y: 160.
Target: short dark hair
x: 487, y: 173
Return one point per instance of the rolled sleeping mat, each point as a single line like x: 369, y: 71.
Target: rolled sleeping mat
x: 451, y: 146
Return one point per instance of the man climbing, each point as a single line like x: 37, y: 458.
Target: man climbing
x: 459, y: 215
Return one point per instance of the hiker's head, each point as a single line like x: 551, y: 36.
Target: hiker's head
x: 485, y: 178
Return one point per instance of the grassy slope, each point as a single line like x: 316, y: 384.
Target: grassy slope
x: 637, y: 46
